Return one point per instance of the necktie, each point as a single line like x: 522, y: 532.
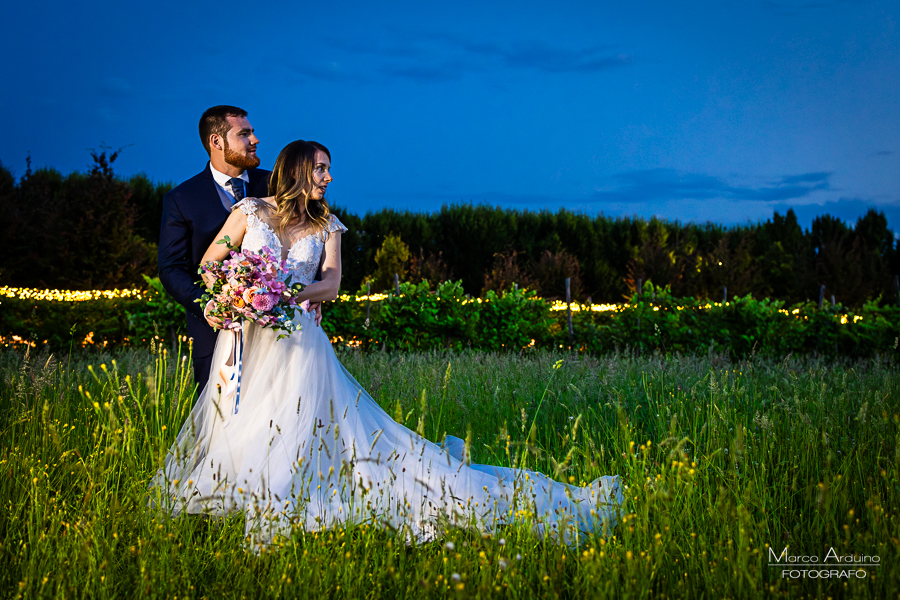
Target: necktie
x: 237, y: 188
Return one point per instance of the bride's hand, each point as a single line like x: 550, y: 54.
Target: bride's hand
x: 317, y: 308
x: 214, y: 322
x: 208, y: 280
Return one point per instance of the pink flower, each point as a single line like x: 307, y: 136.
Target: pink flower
x: 263, y: 302
x: 249, y: 293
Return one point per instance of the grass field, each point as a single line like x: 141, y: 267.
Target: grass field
x: 723, y: 461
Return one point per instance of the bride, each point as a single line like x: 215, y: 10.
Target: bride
x: 284, y: 433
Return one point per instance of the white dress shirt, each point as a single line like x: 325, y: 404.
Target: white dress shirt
x: 224, y: 188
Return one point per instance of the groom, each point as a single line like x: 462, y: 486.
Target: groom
x: 194, y: 212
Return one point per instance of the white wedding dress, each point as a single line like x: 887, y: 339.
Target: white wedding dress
x: 303, y: 445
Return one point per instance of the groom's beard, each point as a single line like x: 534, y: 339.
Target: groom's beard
x: 239, y: 160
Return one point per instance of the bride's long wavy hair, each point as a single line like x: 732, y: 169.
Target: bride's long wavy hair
x: 291, y: 183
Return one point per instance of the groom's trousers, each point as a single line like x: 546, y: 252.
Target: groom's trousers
x: 202, y: 365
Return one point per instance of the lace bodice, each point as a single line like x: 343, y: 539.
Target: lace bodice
x: 303, y: 256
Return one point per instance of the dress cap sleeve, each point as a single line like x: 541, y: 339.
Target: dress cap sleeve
x: 334, y: 225
x: 247, y: 206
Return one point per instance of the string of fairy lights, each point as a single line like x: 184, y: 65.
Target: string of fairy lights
x: 131, y: 293
x: 87, y: 295
x: 555, y: 306
x: 68, y: 295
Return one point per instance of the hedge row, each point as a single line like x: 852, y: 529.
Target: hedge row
x: 101, y: 321
x: 652, y: 321
x: 422, y: 319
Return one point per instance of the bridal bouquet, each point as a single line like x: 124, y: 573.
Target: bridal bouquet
x: 249, y: 285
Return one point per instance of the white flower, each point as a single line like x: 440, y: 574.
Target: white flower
x: 455, y: 577
x: 502, y: 541
x: 518, y: 557
x: 449, y: 546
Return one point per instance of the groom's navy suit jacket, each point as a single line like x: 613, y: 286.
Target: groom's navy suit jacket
x: 192, y: 216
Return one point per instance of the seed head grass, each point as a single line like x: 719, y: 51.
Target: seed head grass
x: 725, y: 464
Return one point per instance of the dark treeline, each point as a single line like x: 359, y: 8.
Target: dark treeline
x: 82, y: 231
x: 96, y: 230
x: 492, y: 248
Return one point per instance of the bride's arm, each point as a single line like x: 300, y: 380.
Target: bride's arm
x: 234, y: 228
x: 327, y: 288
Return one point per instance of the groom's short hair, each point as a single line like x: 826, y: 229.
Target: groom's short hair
x: 215, y: 121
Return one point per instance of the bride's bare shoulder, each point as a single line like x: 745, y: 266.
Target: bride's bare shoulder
x: 267, y: 203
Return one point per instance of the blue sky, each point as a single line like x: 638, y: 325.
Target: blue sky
x: 694, y: 111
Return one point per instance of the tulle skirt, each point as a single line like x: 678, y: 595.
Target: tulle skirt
x: 303, y: 445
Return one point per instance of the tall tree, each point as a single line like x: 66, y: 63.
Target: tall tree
x: 77, y: 232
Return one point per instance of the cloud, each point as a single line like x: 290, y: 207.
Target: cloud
x: 329, y: 72
x: 652, y: 187
x: 815, y: 178
x: 445, y: 57
x: 437, y: 198
x: 884, y: 153
x: 666, y: 184
x: 542, y: 57
x: 426, y: 72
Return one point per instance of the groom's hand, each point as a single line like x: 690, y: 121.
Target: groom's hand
x: 317, y: 307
